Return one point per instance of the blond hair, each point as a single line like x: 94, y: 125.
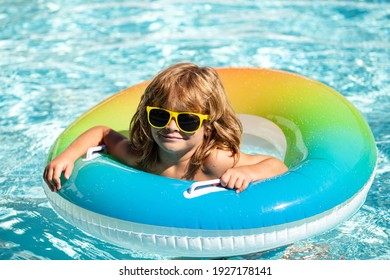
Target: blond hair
x: 187, y: 87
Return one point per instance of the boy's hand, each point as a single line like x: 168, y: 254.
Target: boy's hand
x: 237, y: 178
x: 53, y: 171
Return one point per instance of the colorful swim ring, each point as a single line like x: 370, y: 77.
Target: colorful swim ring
x: 322, y: 138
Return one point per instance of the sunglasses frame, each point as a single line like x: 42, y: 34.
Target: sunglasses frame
x: 173, y: 114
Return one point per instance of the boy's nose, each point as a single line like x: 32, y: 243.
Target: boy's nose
x: 172, y: 125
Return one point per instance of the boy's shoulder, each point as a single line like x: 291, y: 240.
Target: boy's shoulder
x: 125, y: 153
x: 218, y: 162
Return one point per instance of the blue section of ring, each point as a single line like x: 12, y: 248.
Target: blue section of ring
x: 309, y: 189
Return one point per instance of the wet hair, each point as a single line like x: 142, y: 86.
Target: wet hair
x: 187, y: 87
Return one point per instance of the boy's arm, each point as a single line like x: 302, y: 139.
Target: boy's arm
x: 249, y: 168
x: 252, y: 168
x: 64, y: 162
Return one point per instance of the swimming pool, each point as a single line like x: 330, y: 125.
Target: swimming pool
x: 58, y: 58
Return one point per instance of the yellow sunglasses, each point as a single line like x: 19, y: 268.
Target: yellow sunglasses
x: 186, y: 121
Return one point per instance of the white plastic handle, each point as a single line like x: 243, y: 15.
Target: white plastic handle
x: 91, y: 152
x: 202, y: 188
x: 203, y: 183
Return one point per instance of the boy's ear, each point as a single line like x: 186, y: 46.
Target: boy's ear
x: 207, y: 131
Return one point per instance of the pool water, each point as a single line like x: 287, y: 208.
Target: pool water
x: 58, y: 58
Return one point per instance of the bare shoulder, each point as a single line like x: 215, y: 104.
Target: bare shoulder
x: 123, y: 152
x: 218, y: 162
x: 249, y: 159
x: 221, y: 160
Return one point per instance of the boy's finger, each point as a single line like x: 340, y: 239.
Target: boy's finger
x: 56, y: 177
x: 68, y: 171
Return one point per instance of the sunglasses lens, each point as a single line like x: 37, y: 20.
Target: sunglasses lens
x: 188, y: 122
x: 158, y: 117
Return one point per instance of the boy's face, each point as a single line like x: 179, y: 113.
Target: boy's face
x: 175, y: 143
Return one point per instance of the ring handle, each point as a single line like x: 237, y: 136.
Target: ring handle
x: 203, y: 183
x: 91, y: 153
x: 202, y: 188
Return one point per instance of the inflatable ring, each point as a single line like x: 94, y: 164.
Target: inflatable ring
x: 323, y: 139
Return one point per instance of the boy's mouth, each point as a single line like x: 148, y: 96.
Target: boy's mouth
x: 171, y: 136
